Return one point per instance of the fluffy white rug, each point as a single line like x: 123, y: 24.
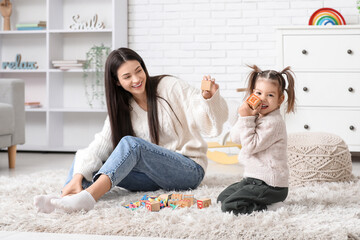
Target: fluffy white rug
x: 319, y: 211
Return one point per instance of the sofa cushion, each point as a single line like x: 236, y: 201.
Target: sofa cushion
x: 5, y: 141
x: 6, y: 119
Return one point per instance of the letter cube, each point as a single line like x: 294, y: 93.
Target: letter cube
x: 253, y: 101
x: 184, y: 203
x: 178, y: 196
x: 203, y: 203
x: 206, y: 85
x: 153, y: 206
x: 190, y: 197
x: 173, y: 201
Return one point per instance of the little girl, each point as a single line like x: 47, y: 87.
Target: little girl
x: 262, y: 134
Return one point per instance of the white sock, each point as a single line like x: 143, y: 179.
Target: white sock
x: 275, y: 206
x: 82, y: 200
x: 43, y: 203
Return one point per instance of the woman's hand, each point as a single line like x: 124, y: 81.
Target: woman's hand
x: 74, y: 186
x: 245, y: 110
x: 213, y: 89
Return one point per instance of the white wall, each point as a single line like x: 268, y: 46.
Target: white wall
x: 190, y: 38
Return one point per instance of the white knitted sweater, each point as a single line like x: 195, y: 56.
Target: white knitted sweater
x: 197, y: 116
x: 264, y: 148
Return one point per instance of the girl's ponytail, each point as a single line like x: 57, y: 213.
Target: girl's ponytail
x: 252, y: 78
x: 290, y: 89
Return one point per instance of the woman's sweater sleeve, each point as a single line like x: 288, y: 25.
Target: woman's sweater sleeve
x: 211, y: 114
x: 90, y: 159
x: 208, y: 115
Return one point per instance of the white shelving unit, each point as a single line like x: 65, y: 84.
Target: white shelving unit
x: 65, y: 122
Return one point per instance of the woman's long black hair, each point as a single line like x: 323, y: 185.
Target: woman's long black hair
x: 118, y: 99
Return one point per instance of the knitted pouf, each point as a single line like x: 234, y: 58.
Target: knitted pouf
x: 317, y: 157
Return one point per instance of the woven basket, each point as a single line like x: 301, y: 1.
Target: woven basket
x: 317, y: 157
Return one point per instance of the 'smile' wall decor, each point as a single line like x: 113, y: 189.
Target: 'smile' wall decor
x: 92, y: 24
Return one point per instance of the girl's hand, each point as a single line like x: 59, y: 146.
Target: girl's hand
x: 74, y: 186
x: 245, y: 110
x: 214, y: 87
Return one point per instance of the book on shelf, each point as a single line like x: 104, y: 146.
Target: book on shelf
x: 70, y: 67
x: 32, y: 105
x: 68, y: 64
x: 76, y: 61
x: 31, y: 25
x: 30, y: 28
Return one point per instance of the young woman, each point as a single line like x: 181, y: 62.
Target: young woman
x: 151, y: 139
x: 262, y: 133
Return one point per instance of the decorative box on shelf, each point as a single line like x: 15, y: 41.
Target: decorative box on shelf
x: 326, y: 62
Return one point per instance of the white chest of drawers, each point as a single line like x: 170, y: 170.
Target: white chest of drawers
x: 326, y: 62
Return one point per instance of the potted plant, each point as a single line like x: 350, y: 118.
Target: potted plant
x: 93, y: 75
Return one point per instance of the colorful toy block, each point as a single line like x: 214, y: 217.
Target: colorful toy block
x: 173, y: 202
x: 203, y: 203
x: 253, y: 101
x: 190, y: 197
x: 184, y: 203
x: 206, y: 85
x: 177, y: 196
x: 153, y: 206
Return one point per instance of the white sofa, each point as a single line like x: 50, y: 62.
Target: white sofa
x: 12, y: 116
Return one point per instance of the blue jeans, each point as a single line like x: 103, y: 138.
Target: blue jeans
x: 138, y: 165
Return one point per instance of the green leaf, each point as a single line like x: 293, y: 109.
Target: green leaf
x: 93, y: 74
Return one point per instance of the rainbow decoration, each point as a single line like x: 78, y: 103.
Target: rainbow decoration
x: 326, y: 16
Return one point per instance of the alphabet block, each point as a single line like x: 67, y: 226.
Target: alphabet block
x: 190, y: 197
x: 153, y: 206
x: 173, y: 201
x: 177, y: 196
x: 184, y: 203
x: 203, y: 203
x: 206, y: 85
x: 253, y: 101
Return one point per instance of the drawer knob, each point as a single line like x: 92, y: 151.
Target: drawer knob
x: 352, y: 128
x: 305, y: 89
x: 304, y: 52
x: 349, y: 51
x: 350, y: 89
x: 306, y: 126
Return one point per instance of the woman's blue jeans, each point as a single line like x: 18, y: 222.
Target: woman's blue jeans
x: 138, y: 165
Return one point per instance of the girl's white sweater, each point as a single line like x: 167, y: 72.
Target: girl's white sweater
x: 264, y: 147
